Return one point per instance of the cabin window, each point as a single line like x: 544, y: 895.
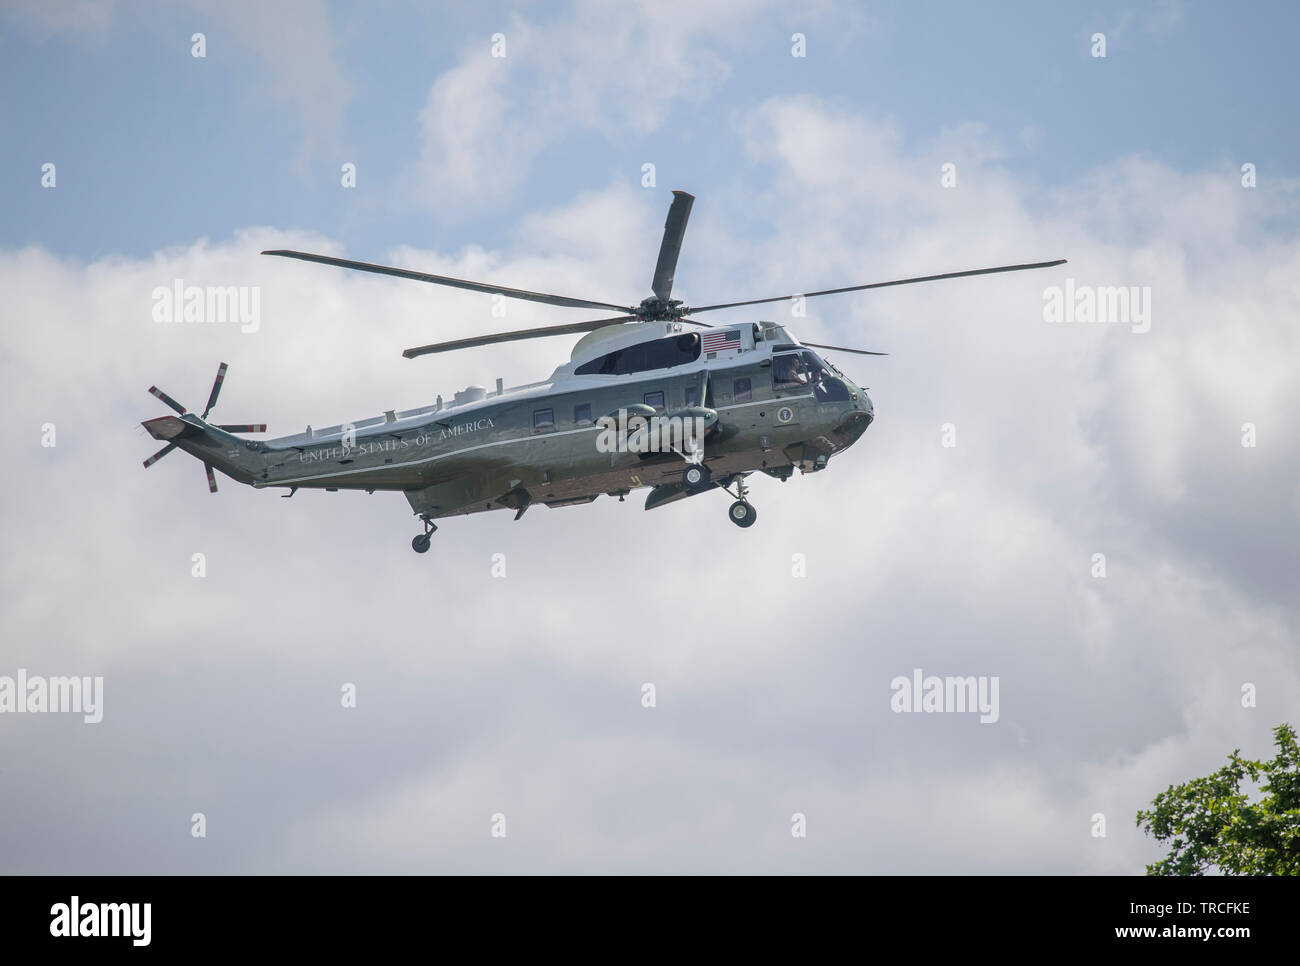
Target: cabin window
x: 582, y: 413
x: 543, y: 419
x: 692, y: 396
x: 676, y: 350
x: 655, y: 400
x: 740, y: 391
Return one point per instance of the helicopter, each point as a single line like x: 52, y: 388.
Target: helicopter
x: 650, y: 397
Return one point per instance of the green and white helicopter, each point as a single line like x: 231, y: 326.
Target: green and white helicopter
x: 650, y: 397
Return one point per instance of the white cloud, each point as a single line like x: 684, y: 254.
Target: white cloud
x: 614, y: 70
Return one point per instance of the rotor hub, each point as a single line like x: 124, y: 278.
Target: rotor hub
x: 655, y: 309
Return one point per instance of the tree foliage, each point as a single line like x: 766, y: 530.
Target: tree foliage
x: 1211, y: 823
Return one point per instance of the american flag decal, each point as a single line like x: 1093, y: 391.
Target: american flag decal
x: 720, y: 341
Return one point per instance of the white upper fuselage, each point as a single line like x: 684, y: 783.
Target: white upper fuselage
x: 590, y: 347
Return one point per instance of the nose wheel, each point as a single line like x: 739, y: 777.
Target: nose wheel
x: 420, y: 542
x: 742, y: 514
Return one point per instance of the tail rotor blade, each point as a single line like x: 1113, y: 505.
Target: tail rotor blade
x: 212, y: 480
x: 216, y: 390
x: 245, y: 428
x: 159, y: 455
x: 167, y: 399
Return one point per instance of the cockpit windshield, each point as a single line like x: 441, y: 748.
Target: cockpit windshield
x: 826, y: 363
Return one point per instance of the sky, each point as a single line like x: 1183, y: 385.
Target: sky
x: 499, y: 680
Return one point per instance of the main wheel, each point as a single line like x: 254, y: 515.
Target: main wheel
x: 742, y: 514
x: 695, y: 476
x: 420, y: 543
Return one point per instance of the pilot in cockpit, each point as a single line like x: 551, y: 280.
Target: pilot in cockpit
x: 788, y: 372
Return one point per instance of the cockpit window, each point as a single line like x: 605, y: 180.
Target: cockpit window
x: 790, y: 371
x: 659, y: 354
x: 804, y: 370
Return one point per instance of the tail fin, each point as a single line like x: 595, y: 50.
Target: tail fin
x: 240, y: 459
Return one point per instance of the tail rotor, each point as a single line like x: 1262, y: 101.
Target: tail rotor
x: 212, y: 401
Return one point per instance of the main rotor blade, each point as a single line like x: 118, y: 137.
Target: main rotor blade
x: 245, y: 428
x: 840, y: 348
x: 674, y: 229
x: 516, y: 336
x: 167, y: 399
x: 216, y: 390
x: 898, y: 281
x: 515, y: 293
x: 159, y: 455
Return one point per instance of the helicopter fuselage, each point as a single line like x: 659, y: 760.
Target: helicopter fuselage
x: 773, y: 406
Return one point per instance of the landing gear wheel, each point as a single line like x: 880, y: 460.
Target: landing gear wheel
x: 420, y: 544
x: 742, y: 514
x: 695, y: 476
